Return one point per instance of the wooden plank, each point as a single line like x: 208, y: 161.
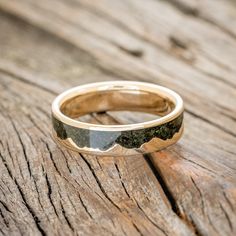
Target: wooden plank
x: 61, y: 192
x: 221, y: 15
x: 147, y: 68
x: 193, y: 183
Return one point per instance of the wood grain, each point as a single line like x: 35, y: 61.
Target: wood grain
x: 48, y: 46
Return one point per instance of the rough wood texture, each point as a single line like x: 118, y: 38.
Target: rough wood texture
x: 48, y: 46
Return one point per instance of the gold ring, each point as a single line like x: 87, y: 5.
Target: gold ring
x: 117, y: 140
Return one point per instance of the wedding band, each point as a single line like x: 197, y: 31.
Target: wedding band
x: 117, y: 140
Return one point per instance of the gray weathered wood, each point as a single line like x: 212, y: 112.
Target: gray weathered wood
x: 48, y: 46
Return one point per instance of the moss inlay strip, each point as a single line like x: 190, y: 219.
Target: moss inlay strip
x: 104, y: 140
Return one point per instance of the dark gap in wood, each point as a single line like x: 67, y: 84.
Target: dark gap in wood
x: 216, y: 77
x: 228, y: 115
x: 45, y: 113
x: 227, y: 199
x: 30, y: 209
x: 194, y: 12
x: 35, y: 124
x: 225, y: 150
x: 18, y: 18
x: 2, y: 232
x: 50, y: 194
x: 210, y: 122
x: 101, y: 113
x: 6, y: 166
x: 196, y: 230
x: 200, y: 194
x: 66, y: 218
x: 158, y: 177
x: 98, y: 181
x: 193, y: 223
x: 43, y: 88
x: 195, y: 163
x: 5, y: 206
x: 65, y: 158
x: 4, y: 219
x: 123, y: 26
x: 136, y: 227
x: 149, y: 219
x: 24, y: 80
x: 22, y: 145
x: 122, y: 183
x: 188, y: 221
x: 84, y: 206
x: 163, y: 184
x: 222, y: 28
x: 169, y: 195
x: 10, y: 155
x: 116, y: 166
x: 37, y: 190
x: 101, y: 67
x: 176, y: 42
x: 51, y: 156
x: 216, y: 62
x: 132, y: 52
x: 227, y: 217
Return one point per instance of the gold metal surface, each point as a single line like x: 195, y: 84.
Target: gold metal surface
x: 136, y: 87
x: 117, y: 96
x: 129, y: 100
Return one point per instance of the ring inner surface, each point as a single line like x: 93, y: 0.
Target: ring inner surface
x: 117, y: 100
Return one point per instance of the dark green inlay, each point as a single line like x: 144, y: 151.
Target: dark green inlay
x: 106, y: 139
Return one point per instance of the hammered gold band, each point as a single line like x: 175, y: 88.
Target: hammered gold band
x: 117, y: 140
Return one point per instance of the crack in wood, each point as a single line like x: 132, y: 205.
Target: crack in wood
x: 133, y: 52
x: 84, y: 206
x: 22, y: 145
x: 163, y: 181
x: 221, y: 127
x: 195, y: 227
x: 138, y: 230
x: 123, y: 26
x: 5, y: 206
x: 227, y: 217
x: 36, y: 125
x: 200, y: 194
x: 50, y: 193
x: 195, y: 12
x: 37, y: 190
x: 118, y: 73
x: 6, y: 166
x: 169, y: 195
x: 4, y: 218
x: 65, y: 158
x: 51, y: 157
x: 149, y: 219
x: 25, y: 80
x: 30, y: 209
x: 165, y: 188
x: 227, y: 200
x: 122, y: 183
x: 99, y: 183
x: 195, y: 163
x: 66, y: 217
x: 212, y: 76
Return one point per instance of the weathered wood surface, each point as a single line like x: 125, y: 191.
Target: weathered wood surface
x: 48, y: 46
